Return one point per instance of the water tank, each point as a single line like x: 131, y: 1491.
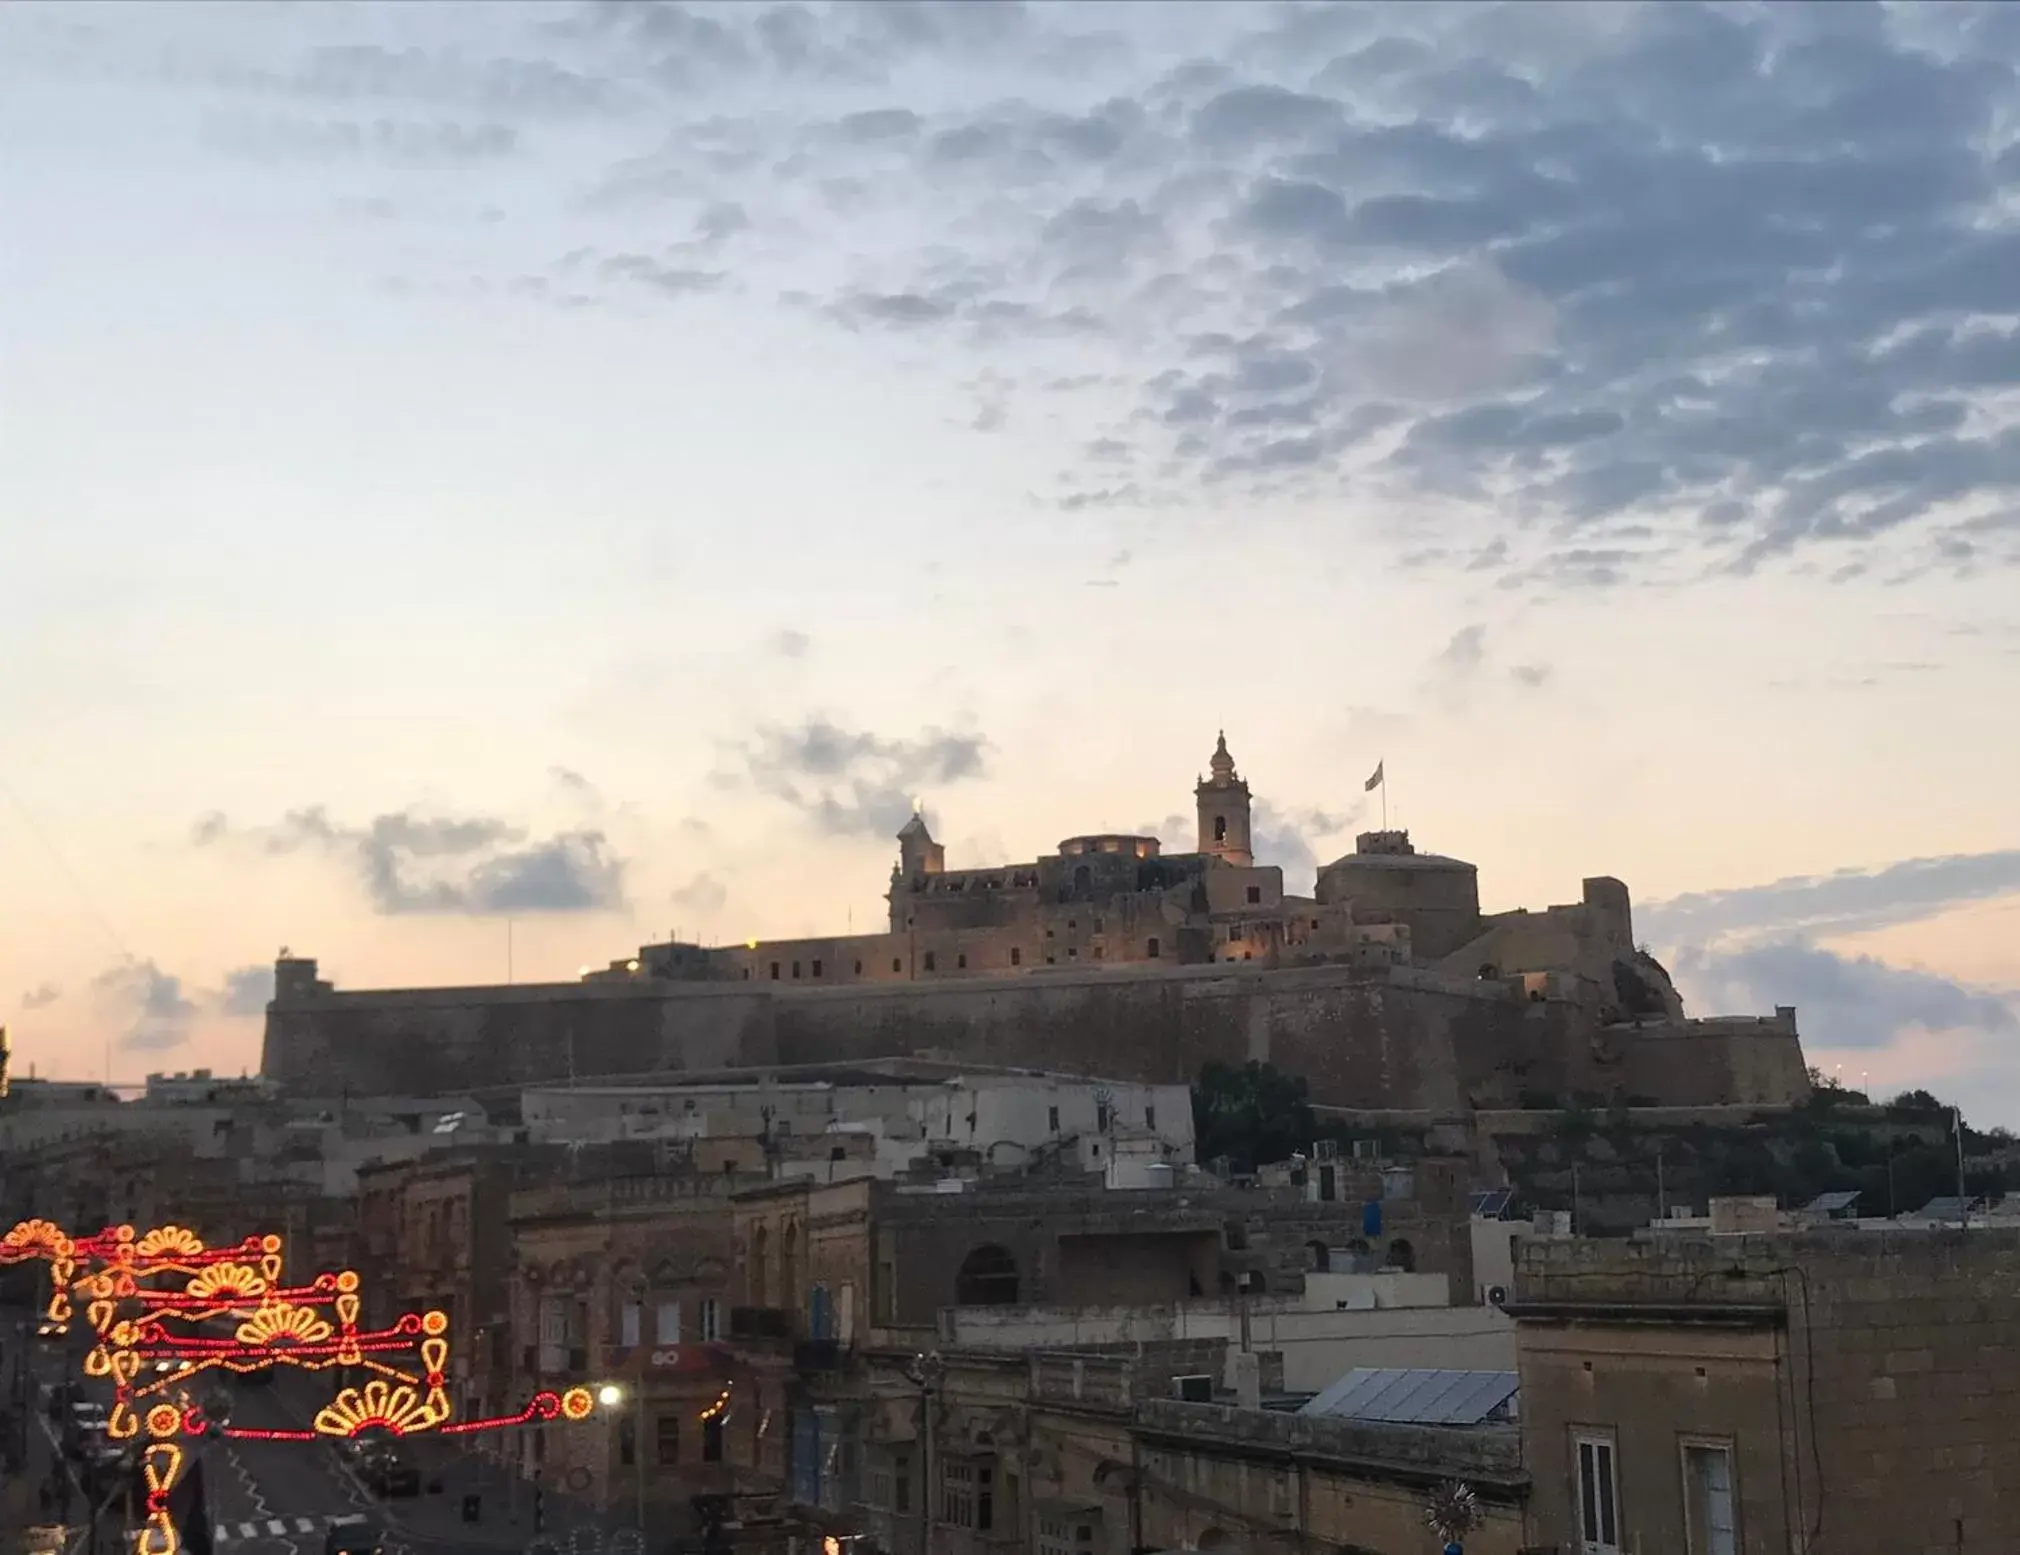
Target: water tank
x: 1158, y: 1174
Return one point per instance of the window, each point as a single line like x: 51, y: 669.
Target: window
x: 796, y: 969
x: 1708, y: 1500
x: 1072, y: 923
x: 859, y: 969
x: 929, y: 961
x: 1072, y: 952
x: 666, y: 1322
x: 1234, y: 934
x: 1097, y: 953
x: 1056, y: 1536
x: 627, y: 1324
x: 1154, y: 949
x: 1150, y: 1117
x: 1220, y: 828
x: 817, y: 968
x: 1052, y: 1119
x: 901, y: 1484
x: 897, y: 965
x: 667, y: 1441
x: 627, y: 1442
x: 1598, y: 1511
x: 961, y: 961
x: 967, y: 1496
x: 775, y: 971
x: 987, y: 1278
x: 711, y: 1440
x: 1016, y: 956
x: 711, y: 1320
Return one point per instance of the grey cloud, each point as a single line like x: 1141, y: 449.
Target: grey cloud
x: 1854, y: 1002
x: 397, y: 142
x: 1248, y: 117
x: 483, y: 866
x: 875, y: 126
x: 856, y: 783
x: 41, y: 996
x: 530, y: 88
x: 1848, y: 901
x: 151, y: 1005
x: 1284, y: 837
x: 669, y: 280
x: 1465, y: 653
x: 247, y: 990
x: 703, y: 894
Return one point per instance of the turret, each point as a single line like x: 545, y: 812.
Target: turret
x: 1224, y: 810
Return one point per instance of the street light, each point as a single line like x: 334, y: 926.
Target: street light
x: 927, y: 1371
x: 611, y: 1396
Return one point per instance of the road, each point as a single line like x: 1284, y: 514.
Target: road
x: 279, y: 1498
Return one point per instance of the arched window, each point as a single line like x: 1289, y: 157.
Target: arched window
x: 789, y: 1267
x: 760, y: 1267
x: 1402, y: 1256
x: 1320, y: 1255
x: 1083, y: 879
x: 1220, y: 828
x: 988, y: 1278
x: 1215, y: 1539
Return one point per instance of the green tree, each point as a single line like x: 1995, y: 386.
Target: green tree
x: 1251, y: 1113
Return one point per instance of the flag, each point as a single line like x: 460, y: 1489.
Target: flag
x: 1374, y: 782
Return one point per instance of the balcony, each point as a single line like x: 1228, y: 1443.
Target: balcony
x: 818, y: 1355
x: 747, y: 1323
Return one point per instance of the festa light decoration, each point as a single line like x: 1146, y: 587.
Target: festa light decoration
x: 312, y: 1327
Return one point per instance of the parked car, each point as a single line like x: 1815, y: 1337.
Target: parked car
x: 353, y: 1535
x: 387, y: 1471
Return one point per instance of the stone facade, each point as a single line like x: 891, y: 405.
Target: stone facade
x: 1388, y: 988
x: 1851, y: 1391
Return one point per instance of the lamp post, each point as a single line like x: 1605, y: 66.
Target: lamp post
x: 610, y: 1396
x: 926, y: 1371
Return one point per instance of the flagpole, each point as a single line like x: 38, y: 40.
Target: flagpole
x: 1385, y: 796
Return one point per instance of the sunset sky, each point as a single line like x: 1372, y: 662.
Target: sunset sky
x: 590, y: 468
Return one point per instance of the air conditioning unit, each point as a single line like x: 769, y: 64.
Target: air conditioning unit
x: 1194, y: 1389
x: 1497, y: 1295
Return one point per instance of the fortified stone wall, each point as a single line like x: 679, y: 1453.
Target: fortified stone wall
x: 429, y: 1041
x: 1400, y: 1040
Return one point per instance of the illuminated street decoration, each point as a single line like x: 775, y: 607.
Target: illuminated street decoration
x: 312, y: 1327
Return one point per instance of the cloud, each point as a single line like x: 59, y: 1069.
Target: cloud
x: 41, y: 996
x: 1847, y: 1002
x: 703, y: 894
x: 789, y: 644
x: 855, y: 783
x: 1284, y: 838
x: 1464, y: 654
x: 396, y: 142
x: 151, y: 1005
x: 1526, y: 266
x: 481, y: 866
x: 1849, y: 901
x: 247, y: 991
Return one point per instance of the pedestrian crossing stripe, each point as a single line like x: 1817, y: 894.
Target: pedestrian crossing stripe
x: 267, y: 1528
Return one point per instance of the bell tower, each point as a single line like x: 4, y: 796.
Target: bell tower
x: 1223, y: 810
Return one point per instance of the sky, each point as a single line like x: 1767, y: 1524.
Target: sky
x: 485, y: 487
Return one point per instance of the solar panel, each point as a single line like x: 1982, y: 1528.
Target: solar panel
x: 1491, y: 1203
x: 1947, y: 1207
x: 1416, y: 1396
x: 1833, y: 1203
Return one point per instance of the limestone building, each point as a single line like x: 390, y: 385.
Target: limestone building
x: 1387, y: 987
x: 1119, y: 900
